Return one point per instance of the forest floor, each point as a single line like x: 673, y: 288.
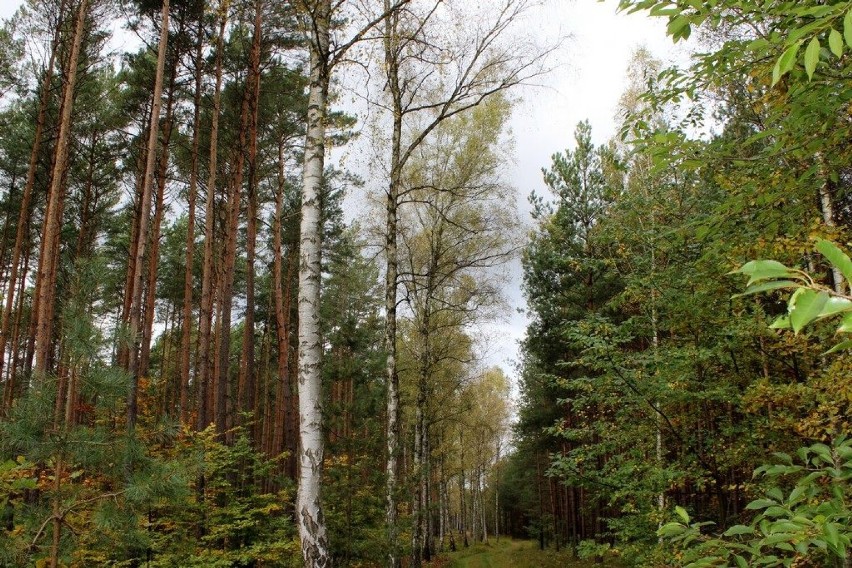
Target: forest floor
x: 508, y: 553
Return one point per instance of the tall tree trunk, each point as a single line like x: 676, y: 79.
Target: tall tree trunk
x: 154, y: 255
x: 48, y: 262
x: 283, y: 433
x: 391, y: 276
x: 186, y: 330
x: 11, y: 372
x: 144, y: 210
x: 309, y: 512
x: 826, y: 200
x: 247, y: 128
x: 417, y: 501
x: 245, y: 390
x: 123, y: 351
x: 227, y: 286
x: 206, y: 315
x: 26, y: 199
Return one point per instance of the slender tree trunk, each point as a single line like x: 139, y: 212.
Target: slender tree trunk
x: 56, y: 511
x: 283, y: 431
x: 391, y: 276
x: 26, y: 198
x: 227, y: 286
x: 85, y: 233
x: 248, y: 111
x: 309, y: 512
x: 417, y: 502
x: 154, y: 255
x: 48, y: 262
x: 144, y: 210
x: 206, y: 315
x: 123, y: 355
x: 11, y: 374
x: 245, y: 390
x: 826, y: 200
x: 186, y: 330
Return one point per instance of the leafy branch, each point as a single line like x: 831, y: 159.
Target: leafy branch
x: 810, y: 301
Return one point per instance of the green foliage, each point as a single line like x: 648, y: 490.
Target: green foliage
x: 591, y: 550
x: 804, y: 516
x: 810, y: 301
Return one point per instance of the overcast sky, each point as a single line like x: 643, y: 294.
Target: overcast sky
x: 587, y: 81
x: 587, y: 85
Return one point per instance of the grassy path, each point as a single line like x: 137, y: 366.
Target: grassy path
x: 511, y: 554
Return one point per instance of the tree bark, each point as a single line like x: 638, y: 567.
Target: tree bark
x: 309, y: 511
x: 206, y: 315
x: 283, y: 431
x: 245, y: 389
x: 26, y: 200
x: 186, y: 330
x: 48, y: 262
x: 154, y: 255
x: 826, y: 200
x: 391, y: 276
x: 144, y: 209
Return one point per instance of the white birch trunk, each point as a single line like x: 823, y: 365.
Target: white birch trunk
x: 392, y: 62
x: 826, y: 202
x: 309, y: 513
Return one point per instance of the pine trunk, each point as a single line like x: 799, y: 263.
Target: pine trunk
x: 48, y: 261
x: 186, y: 330
x: 154, y: 255
x: 206, y: 316
x: 246, y: 384
x: 283, y: 431
x: 26, y: 200
x: 144, y: 209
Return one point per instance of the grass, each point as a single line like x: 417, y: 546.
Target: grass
x: 512, y: 554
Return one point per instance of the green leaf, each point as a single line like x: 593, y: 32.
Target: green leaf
x: 811, y: 57
x: 847, y: 28
x: 823, y: 451
x: 836, y: 305
x: 832, y: 536
x: 797, y: 493
x: 840, y: 347
x: 783, y: 457
x: 786, y: 62
x: 806, y: 307
x: 738, y: 530
x: 836, y: 257
x: 760, y: 504
x: 681, y: 512
x: 835, y: 42
x: 783, y: 322
x: 785, y: 526
x: 775, y: 511
x: 676, y: 25
x: 778, y: 537
x: 741, y: 562
x: 671, y: 529
x: 845, y: 324
x: 758, y: 270
x: 767, y: 286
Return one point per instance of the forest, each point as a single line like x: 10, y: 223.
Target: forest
x: 212, y: 355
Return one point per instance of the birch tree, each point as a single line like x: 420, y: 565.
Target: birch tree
x: 431, y: 75
x: 459, y: 226
x: 324, y: 56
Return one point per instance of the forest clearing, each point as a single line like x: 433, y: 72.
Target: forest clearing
x: 275, y: 294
